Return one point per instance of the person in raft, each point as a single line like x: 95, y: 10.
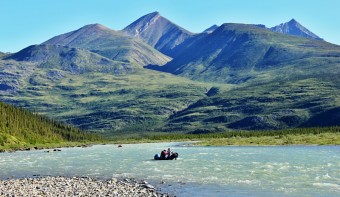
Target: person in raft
x: 163, y: 154
x: 169, y: 153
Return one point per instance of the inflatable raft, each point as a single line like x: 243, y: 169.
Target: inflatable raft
x: 173, y: 156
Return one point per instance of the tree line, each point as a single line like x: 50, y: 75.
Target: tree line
x: 19, y: 126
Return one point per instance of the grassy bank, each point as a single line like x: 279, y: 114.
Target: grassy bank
x: 305, y: 136
x: 299, y: 136
x: 302, y: 139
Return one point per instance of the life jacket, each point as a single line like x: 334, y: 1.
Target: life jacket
x: 163, y: 153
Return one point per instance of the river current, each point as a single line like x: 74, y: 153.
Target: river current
x: 199, y: 171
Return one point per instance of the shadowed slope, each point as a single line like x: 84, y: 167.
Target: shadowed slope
x: 235, y: 53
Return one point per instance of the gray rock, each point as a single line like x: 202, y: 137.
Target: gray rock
x: 149, y: 186
x: 75, y: 186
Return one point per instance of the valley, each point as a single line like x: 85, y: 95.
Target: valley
x: 169, y: 98
x: 230, y: 77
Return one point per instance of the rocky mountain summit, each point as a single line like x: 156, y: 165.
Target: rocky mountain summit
x: 158, y: 32
x: 295, y: 28
x: 211, y: 29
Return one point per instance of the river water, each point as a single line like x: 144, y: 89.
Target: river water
x: 199, y: 171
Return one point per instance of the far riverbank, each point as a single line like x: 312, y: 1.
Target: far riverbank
x: 298, y: 136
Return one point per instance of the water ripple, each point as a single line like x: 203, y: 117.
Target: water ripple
x: 239, y: 171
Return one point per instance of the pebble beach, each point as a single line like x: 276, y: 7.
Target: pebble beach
x: 75, y: 186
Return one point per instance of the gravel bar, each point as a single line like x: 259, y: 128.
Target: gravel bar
x: 76, y: 186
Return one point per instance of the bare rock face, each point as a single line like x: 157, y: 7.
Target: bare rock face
x: 295, y: 28
x: 158, y: 32
x: 211, y: 29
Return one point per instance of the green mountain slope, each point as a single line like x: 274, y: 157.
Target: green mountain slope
x: 285, y: 81
x: 82, y: 88
x: 112, y: 44
x: 236, y: 53
x: 19, y: 127
x: 73, y: 60
x: 271, y: 105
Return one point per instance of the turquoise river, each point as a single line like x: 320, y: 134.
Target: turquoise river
x: 199, y: 171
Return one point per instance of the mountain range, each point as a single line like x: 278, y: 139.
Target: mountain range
x: 156, y: 76
x: 236, y: 53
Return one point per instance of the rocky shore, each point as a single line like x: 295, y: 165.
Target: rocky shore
x: 75, y: 186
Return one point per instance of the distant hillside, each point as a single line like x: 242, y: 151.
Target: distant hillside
x: 282, y: 104
x: 20, y: 127
x: 111, y: 44
x: 158, y: 32
x: 90, y: 91
x: 1, y: 54
x: 73, y: 60
x: 295, y: 28
x: 236, y: 53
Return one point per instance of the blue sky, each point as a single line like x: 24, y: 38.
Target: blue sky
x: 27, y: 22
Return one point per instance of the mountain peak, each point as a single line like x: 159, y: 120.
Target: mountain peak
x: 90, y: 30
x: 293, y: 21
x: 111, y: 44
x: 153, y: 14
x: 293, y: 27
x: 211, y: 29
x: 149, y: 19
x: 96, y: 26
x: 143, y: 23
x: 158, y: 32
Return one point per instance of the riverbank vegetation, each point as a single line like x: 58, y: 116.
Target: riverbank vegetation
x: 21, y: 129
x: 297, y: 136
